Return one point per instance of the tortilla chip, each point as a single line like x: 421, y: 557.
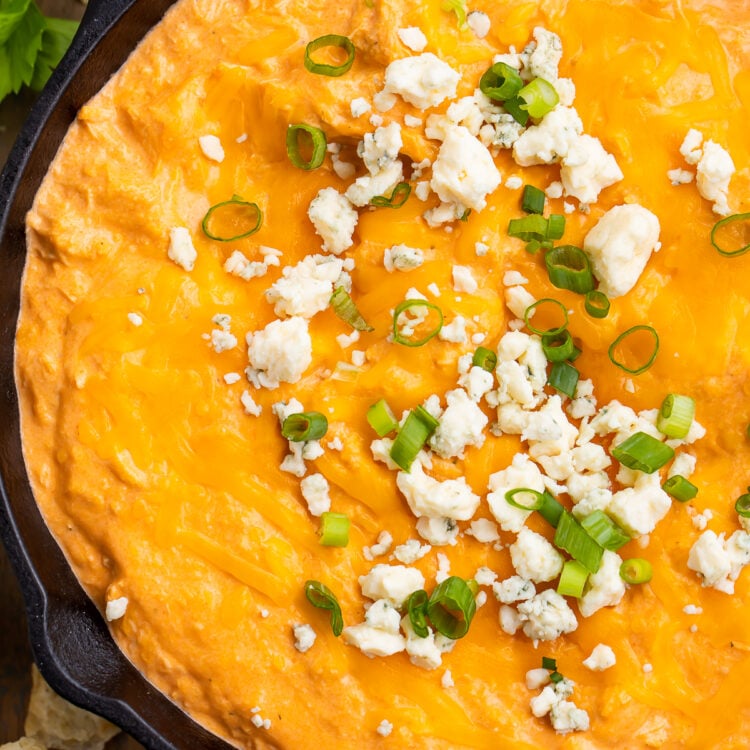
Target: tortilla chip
x: 25, y: 743
x: 60, y: 725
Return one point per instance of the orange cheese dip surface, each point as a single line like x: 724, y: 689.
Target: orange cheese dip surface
x: 159, y: 463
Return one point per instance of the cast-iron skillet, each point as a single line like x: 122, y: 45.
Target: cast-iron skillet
x: 70, y: 641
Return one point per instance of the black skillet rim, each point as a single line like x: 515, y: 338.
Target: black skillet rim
x: 70, y: 641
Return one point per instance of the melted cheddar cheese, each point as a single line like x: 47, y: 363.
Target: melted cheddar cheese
x: 160, y: 488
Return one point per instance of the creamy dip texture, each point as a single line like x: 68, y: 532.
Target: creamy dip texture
x: 157, y: 364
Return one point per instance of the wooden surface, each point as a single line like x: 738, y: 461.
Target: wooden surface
x: 15, y: 654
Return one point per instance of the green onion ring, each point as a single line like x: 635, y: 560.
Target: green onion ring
x: 320, y: 596
x: 416, y: 607
x: 571, y: 537
x: 330, y: 40
x: 643, y: 452
x: 334, y: 529
x: 302, y: 426
x: 407, y: 304
x: 636, y: 570
x: 549, y: 663
x: 484, y: 358
x: 510, y: 498
x: 555, y: 227
x: 500, y: 82
x: 343, y: 305
x: 451, y: 608
x: 318, y: 138
x: 625, y: 335
x: 399, y: 196
x: 572, y: 579
x: 380, y: 417
x: 552, y: 331
x: 459, y: 8
x: 529, y: 228
x: 415, y: 432
x: 597, y: 304
x: 563, y: 377
x: 604, y: 531
x: 538, y: 98
x: 680, y: 488
x: 742, y: 506
x: 725, y: 222
x: 533, y: 246
x: 569, y: 268
x: 676, y: 415
x: 235, y: 201
x: 514, y: 108
x: 533, y: 200
x: 558, y: 347
x: 551, y: 510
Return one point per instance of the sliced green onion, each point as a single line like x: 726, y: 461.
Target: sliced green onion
x: 465, y: 215
x: 538, y: 98
x: 680, y: 488
x: 558, y: 347
x: 408, y: 304
x: 572, y: 579
x: 318, y: 143
x: 484, y: 358
x: 399, y: 196
x: 343, y: 305
x: 412, y: 436
x: 549, y: 663
x: 533, y: 246
x: 563, y: 377
x: 636, y: 570
x: 451, y: 607
x: 320, y: 596
x: 531, y: 227
x: 571, y: 537
x: 527, y: 499
x: 551, y: 509
x: 500, y: 82
x: 556, y: 677
x: 569, y: 268
x: 532, y: 200
x: 416, y: 607
x: 236, y: 218
x: 604, y: 531
x: 308, y: 425
x: 330, y: 40
x: 381, y: 418
x: 513, y: 107
x: 743, y: 232
x: 742, y: 506
x: 459, y: 8
x: 334, y: 529
x: 627, y: 334
x: 676, y: 416
x: 596, y: 304
x: 643, y: 453
x: 555, y: 226
x: 531, y: 309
